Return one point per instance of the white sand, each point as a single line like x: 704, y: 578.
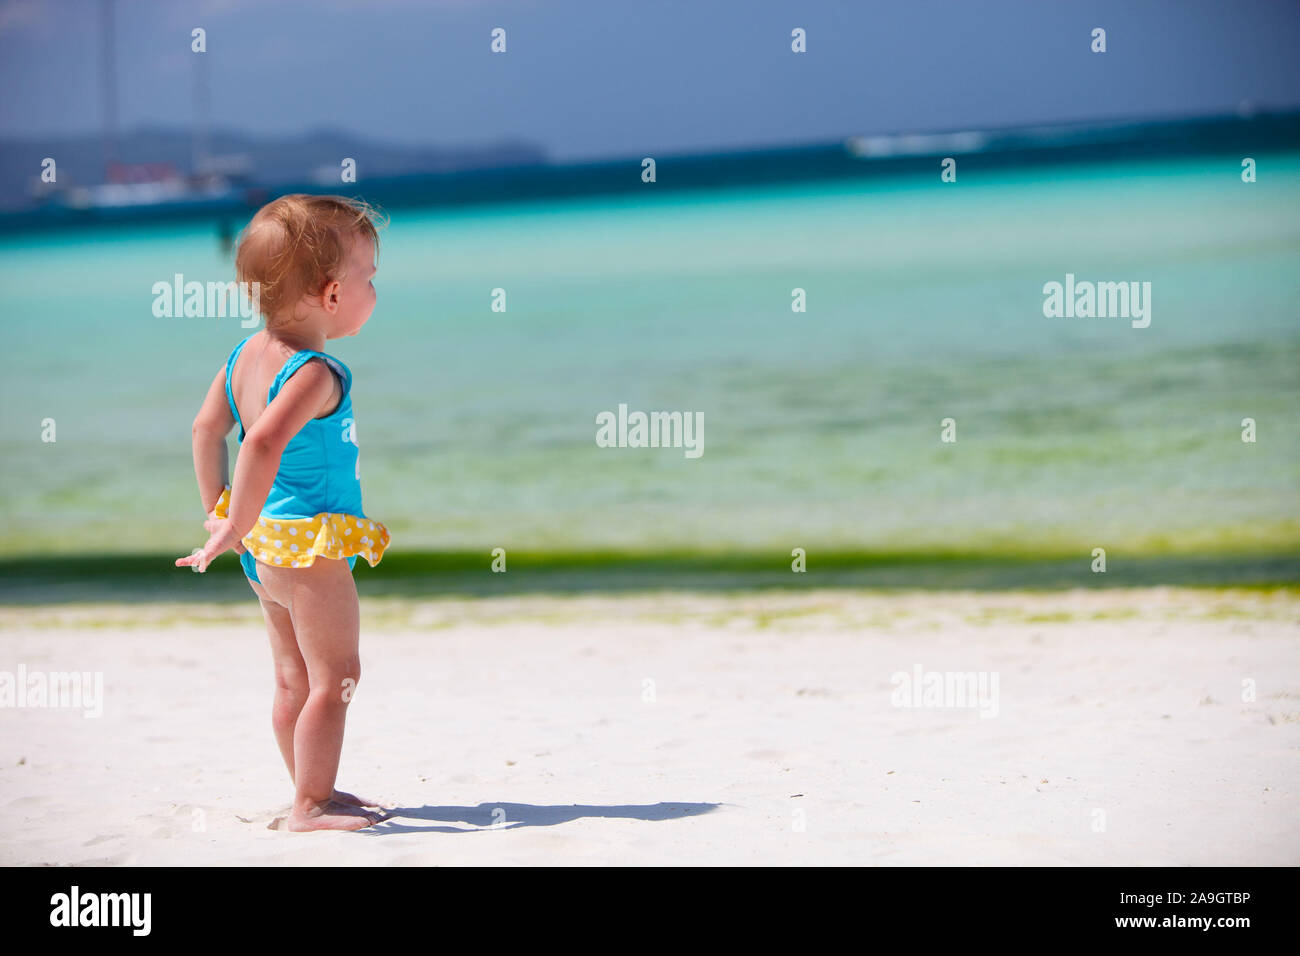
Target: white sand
x: 1121, y: 735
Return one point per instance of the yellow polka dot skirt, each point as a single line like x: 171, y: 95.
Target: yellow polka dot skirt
x: 297, y: 542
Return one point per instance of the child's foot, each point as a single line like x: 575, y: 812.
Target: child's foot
x: 332, y: 815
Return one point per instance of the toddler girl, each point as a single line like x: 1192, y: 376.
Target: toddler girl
x: 294, y: 512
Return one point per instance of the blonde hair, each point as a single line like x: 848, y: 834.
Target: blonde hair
x: 296, y: 244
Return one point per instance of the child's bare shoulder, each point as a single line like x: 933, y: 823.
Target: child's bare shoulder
x: 313, y: 380
x: 302, y: 397
x: 325, y: 371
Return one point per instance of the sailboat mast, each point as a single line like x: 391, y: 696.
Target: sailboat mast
x: 199, y: 147
x: 108, y: 84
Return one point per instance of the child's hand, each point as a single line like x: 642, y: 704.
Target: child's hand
x: 222, y: 539
x: 213, y: 516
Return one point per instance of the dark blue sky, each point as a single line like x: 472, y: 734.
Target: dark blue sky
x: 598, y: 78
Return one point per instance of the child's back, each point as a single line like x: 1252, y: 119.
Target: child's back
x: 317, y: 489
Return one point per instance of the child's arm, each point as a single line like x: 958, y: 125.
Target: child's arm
x: 208, y: 436
x: 299, y: 401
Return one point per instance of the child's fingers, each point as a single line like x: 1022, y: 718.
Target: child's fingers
x: 197, y: 560
x: 222, y: 538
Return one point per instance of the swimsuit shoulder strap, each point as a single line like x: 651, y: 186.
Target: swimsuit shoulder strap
x: 230, y: 395
x: 297, y: 360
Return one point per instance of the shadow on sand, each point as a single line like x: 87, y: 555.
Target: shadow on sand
x: 509, y: 816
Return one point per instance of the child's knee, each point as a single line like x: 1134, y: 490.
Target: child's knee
x: 292, y: 680
x: 339, y: 680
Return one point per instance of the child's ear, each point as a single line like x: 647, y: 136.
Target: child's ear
x: 330, y: 295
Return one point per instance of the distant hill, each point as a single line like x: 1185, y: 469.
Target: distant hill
x: 298, y: 158
x: 254, y: 169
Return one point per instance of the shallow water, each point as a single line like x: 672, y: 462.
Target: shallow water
x: 821, y: 429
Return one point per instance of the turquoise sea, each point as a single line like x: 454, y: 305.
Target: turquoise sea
x: 821, y: 429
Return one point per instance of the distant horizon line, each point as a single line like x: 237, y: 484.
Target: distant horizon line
x: 1244, y: 113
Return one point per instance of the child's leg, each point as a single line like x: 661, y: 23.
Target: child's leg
x: 326, y: 621
x: 290, y: 673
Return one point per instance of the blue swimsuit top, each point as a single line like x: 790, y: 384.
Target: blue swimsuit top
x: 320, y: 468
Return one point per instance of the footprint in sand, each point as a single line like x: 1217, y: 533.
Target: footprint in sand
x: 179, y: 819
